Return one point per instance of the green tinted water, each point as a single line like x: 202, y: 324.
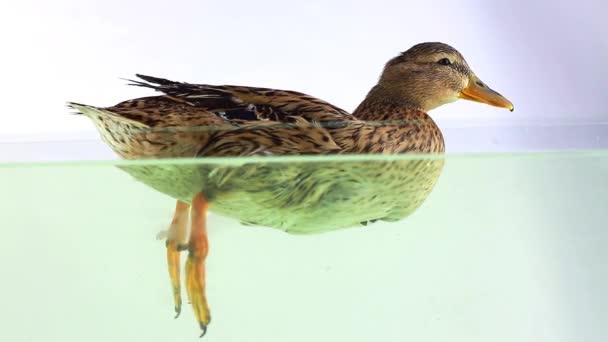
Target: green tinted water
x: 506, y: 248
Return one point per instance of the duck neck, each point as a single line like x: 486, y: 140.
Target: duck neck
x: 382, y: 104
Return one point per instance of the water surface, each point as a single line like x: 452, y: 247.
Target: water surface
x: 507, y: 247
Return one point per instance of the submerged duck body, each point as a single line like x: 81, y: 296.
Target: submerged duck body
x: 227, y: 121
x: 198, y: 121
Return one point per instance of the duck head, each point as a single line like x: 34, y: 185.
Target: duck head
x: 429, y: 75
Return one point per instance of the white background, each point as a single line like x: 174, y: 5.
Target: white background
x: 519, y: 257
x: 548, y: 57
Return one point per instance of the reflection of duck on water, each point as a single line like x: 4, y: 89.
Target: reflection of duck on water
x: 192, y: 120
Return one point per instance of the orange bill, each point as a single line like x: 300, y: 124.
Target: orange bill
x: 480, y: 92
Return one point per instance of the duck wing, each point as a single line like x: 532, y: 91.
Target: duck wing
x: 241, y: 103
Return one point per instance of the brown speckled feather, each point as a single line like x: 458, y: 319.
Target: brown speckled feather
x: 266, y: 104
x: 195, y: 120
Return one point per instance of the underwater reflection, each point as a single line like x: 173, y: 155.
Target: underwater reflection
x: 300, y: 197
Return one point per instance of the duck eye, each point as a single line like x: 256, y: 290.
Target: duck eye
x: 444, y: 61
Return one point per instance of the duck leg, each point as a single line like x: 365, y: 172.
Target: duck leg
x: 176, y: 237
x: 198, y: 248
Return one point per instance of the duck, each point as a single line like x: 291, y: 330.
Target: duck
x: 202, y: 121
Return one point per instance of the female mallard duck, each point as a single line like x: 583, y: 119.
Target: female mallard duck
x: 192, y: 120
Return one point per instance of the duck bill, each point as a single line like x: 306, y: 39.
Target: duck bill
x: 479, y: 92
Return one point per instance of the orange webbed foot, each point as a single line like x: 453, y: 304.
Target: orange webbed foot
x: 198, y: 249
x: 176, y: 237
